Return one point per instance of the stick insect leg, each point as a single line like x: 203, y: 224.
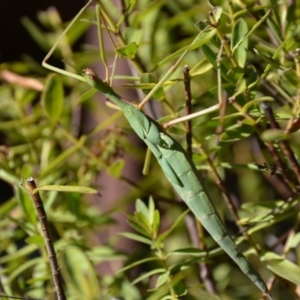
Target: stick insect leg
x: 55, y: 69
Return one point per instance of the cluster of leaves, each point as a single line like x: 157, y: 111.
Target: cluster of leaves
x: 244, y: 56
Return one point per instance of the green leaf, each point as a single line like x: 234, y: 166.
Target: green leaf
x: 141, y: 207
x: 294, y: 243
x: 36, y: 33
x: 64, y: 156
x: 162, y: 279
x: 151, y: 210
x: 148, y: 78
x: 24, y: 251
x: 256, y: 102
x: 143, y: 221
x: 190, y: 251
x: 163, y: 236
x: 21, y: 268
x: 53, y: 97
x: 201, y: 67
x: 67, y: 188
x: 27, y: 205
x: 156, y: 222
x: 255, y: 26
x: 139, y: 262
x: 136, y: 237
x: 282, y: 267
x: 269, y: 60
x: 87, y: 95
x: 236, y: 132
x: 211, y: 56
x: 35, y: 239
x: 272, y: 135
x: 128, y: 51
x: 241, y: 86
x: 133, y: 35
x: 217, y: 12
x: 137, y: 226
x: 236, y: 73
x: 148, y: 274
x: 128, y: 9
x: 79, y: 272
x: 202, y: 39
x: 180, y: 288
x: 116, y: 168
x: 239, y: 42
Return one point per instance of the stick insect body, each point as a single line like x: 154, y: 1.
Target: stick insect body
x: 174, y: 161
x: 182, y: 174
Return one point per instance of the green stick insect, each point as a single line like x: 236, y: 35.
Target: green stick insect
x: 177, y: 167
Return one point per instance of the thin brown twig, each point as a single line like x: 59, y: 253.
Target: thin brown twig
x: 271, y: 148
x: 188, y: 106
x: 194, y: 228
x: 26, y: 82
x: 274, y: 180
x: 57, y: 279
x: 284, y: 145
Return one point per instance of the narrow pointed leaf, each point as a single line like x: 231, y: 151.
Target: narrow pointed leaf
x: 67, y: 188
x: 282, y: 267
x: 53, y: 97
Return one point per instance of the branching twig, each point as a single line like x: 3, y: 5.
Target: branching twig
x: 283, y: 144
x: 47, y: 238
x: 192, y: 223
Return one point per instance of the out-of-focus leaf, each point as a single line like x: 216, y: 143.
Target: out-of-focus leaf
x: 128, y: 9
x: 20, y: 253
x: 148, y: 274
x: 271, y: 135
x: 295, y: 240
x: 136, y: 263
x: 239, y: 42
x: 236, y: 73
x: 116, y: 168
x: 133, y: 35
x: 35, y: 239
x: 236, y: 132
x: 217, y: 12
x: 256, y: 102
x: 53, y: 97
x: 137, y: 226
x: 212, y: 58
x: 201, y: 67
x: 282, y: 267
x: 65, y: 155
x: 148, y: 78
x: 67, y: 188
x: 199, y: 41
x: 162, y: 279
x: 241, y: 86
x: 79, y: 273
x: 141, y: 207
x: 36, y: 34
x: 128, y: 51
x: 164, y: 235
x: 255, y: 26
x: 136, y: 237
x: 151, y: 208
x: 26, y: 202
x: 87, y: 95
x: 23, y: 267
x: 268, y: 59
x: 156, y: 222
